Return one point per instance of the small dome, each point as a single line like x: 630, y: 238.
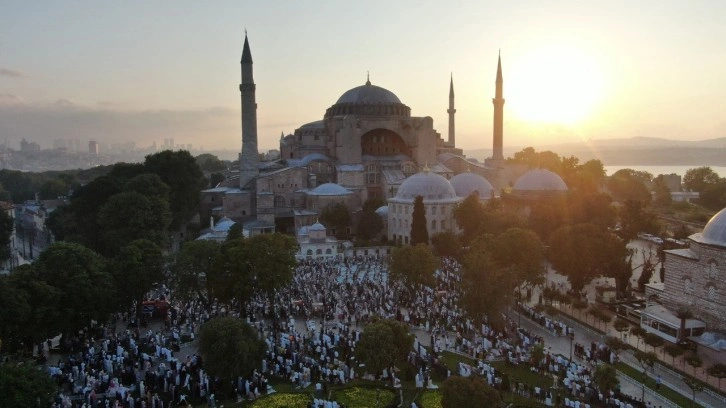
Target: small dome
x: 539, y: 180
x: 466, y: 183
x: 382, y: 211
x: 430, y: 186
x: 317, y: 227
x: 368, y: 94
x: 330, y: 189
x: 715, y: 231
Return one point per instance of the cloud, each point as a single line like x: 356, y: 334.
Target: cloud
x: 7, y: 72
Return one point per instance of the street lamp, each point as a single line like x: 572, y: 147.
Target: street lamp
x: 572, y: 337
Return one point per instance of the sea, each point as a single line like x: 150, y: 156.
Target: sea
x: 656, y: 170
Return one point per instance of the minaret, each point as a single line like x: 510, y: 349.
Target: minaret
x: 498, y: 102
x: 451, y: 112
x: 249, y: 158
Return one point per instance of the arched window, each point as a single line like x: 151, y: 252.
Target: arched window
x: 688, y: 285
x: 319, y: 252
x: 310, y: 252
x: 279, y: 201
x: 711, y: 293
x: 433, y: 224
x: 328, y: 251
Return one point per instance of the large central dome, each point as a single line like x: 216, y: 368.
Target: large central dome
x: 368, y: 94
x: 368, y: 100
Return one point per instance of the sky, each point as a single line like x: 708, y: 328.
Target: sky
x: 139, y: 71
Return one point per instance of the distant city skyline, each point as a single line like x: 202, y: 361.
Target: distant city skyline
x: 142, y: 72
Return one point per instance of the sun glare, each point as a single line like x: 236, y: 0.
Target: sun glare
x: 554, y: 85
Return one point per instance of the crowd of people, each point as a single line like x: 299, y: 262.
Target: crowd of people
x: 311, y: 331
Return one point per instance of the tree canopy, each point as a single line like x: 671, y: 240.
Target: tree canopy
x: 472, y: 391
x: 230, y: 347
x: 25, y: 384
x: 396, y: 337
x: 419, y: 230
x: 413, y: 265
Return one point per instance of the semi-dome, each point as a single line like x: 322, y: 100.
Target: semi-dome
x: 539, y: 180
x: 466, y: 183
x: 382, y: 211
x: 430, y: 186
x: 330, y: 189
x: 368, y: 94
x: 715, y: 231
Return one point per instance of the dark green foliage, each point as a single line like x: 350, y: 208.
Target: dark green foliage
x: 583, y: 252
x: 182, y: 174
x: 606, y: 377
x: 25, y: 385
x: 215, y: 178
x: 446, y: 244
x: 628, y: 184
x: 210, y: 163
x: 27, y: 310
x: 230, y: 348
x: 6, y: 230
x: 136, y: 268
x: 634, y: 218
x: 413, y: 265
x: 459, y: 392
x: 419, y: 230
x: 697, y: 179
x: 397, y: 339
x: 190, y: 267
x: 370, y: 225
x: 85, y: 288
x: 337, y: 218
x: 129, y: 216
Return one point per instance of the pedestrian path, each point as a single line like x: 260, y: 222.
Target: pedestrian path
x: 673, y: 380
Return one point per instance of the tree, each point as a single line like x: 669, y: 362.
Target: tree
x: 638, y: 332
x: 480, y: 298
x: 646, y: 361
x: 621, y: 325
x: 634, y: 219
x: 662, y: 197
x: 695, y: 386
x: 182, y: 174
x: 653, y: 340
x: 80, y: 276
x: 25, y: 384
x: 136, y: 268
x: 395, y: 335
x: 191, y: 266
x: 694, y: 360
x: 27, y: 310
x: 6, y: 230
x: 230, y: 347
x: 507, y: 250
x: 683, y: 314
x: 413, y: 265
x: 210, y: 163
x: 271, y: 260
x: 370, y: 225
x: 615, y: 344
x: 469, y: 215
x: 336, y: 217
x: 713, y: 195
x: 419, y: 230
x: 696, y: 179
x: 129, y: 216
x: 459, y: 391
x: 592, y: 208
x: 583, y: 252
x: 628, y: 184
x: 446, y: 244
x: 717, y: 370
x: 674, y: 351
x: 606, y: 377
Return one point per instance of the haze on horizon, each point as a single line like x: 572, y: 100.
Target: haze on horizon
x: 141, y: 72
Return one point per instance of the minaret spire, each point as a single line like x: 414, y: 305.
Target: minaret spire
x: 498, y: 101
x: 249, y: 158
x: 451, y: 111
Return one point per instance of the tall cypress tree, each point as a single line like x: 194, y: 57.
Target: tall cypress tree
x: 419, y: 231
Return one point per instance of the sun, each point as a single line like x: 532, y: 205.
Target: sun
x: 554, y: 84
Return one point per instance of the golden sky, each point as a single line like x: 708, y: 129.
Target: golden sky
x: 138, y: 72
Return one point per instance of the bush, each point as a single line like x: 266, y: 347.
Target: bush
x: 283, y: 401
x: 358, y: 397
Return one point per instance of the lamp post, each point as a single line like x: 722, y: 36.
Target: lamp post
x: 572, y: 337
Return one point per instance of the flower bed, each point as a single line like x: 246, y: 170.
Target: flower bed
x: 278, y: 400
x: 431, y: 399
x: 357, y: 397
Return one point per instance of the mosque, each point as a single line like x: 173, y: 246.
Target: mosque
x: 367, y: 145
x: 694, y: 280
